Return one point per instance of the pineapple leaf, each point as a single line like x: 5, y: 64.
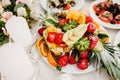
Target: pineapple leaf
x: 118, y: 45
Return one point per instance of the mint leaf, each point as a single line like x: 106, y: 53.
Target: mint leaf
x: 52, y: 22
x: 102, y: 35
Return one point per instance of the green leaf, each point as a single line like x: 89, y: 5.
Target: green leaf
x: 118, y: 45
x: 2, y: 24
x: 6, y: 39
x: 0, y: 16
x: 91, y: 56
x: 117, y: 69
x: 58, y: 68
x: 102, y: 35
x: 1, y: 34
x: 113, y: 69
x: 76, y: 54
x: 52, y: 22
x: 1, y: 38
x: 18, y: 6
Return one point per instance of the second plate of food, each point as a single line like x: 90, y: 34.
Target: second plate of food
x: 106, y: 13
x: 59, y: 5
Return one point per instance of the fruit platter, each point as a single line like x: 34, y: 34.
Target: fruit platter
x: 106, y: 12
x: 74, y: 41
x: 59, y: 5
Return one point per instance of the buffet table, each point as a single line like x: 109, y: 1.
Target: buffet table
x: 51, y: 74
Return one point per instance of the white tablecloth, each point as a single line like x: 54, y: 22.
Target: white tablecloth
x: 50, y: 74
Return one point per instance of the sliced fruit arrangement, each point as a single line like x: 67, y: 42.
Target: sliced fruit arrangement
x: 75, y: 39
x: 108, y: 12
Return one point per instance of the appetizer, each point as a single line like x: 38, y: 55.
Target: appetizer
x: 108, y: 12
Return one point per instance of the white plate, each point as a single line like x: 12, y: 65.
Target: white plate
x: 95, y: 17
x: 73, y: 68
x: 117, y: 39
x: 78, y: 6
x: 14, y: 62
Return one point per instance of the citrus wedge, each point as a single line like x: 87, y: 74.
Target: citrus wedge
x: 44, y: 49
x: 73, y: 14
x: 51, y: 29
x: 82, y: 18
x: 96, y: 24
x: 51, y: 59
x: 38, y: 42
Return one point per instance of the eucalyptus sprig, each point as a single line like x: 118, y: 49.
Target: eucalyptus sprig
x: 3, y: 38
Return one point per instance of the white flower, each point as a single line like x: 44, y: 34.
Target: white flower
x: 6, y: 3
x: 1, y: 9
x: 21, y: 11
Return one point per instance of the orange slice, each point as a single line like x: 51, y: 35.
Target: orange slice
x: 82, y: 18
x: 44, y: 49
x: 73, y: 14
x: 106, y: 40
x: 38, y: 42
x: 51, y: 59
x: 96, y: 24
x: 51, y: 29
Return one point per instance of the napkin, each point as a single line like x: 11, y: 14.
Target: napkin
x: 18, y: 30
x: 14, y: 62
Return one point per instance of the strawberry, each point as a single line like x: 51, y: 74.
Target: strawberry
x: 58, y: 38
x: 72, y: 59
x: 63, y: 60
x: 63, y: 45
x: 51, y: 36
x: 40, y: 31
x: 62, y: 21
x: 91, y: 28
x: 83, y: 64
x: 83, y: 54
x: 88, y: 19
x: 93, y: 41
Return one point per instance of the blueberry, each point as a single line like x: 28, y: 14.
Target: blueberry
x: 112, y: 22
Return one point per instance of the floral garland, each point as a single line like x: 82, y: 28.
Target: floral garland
x: 9, y: 8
